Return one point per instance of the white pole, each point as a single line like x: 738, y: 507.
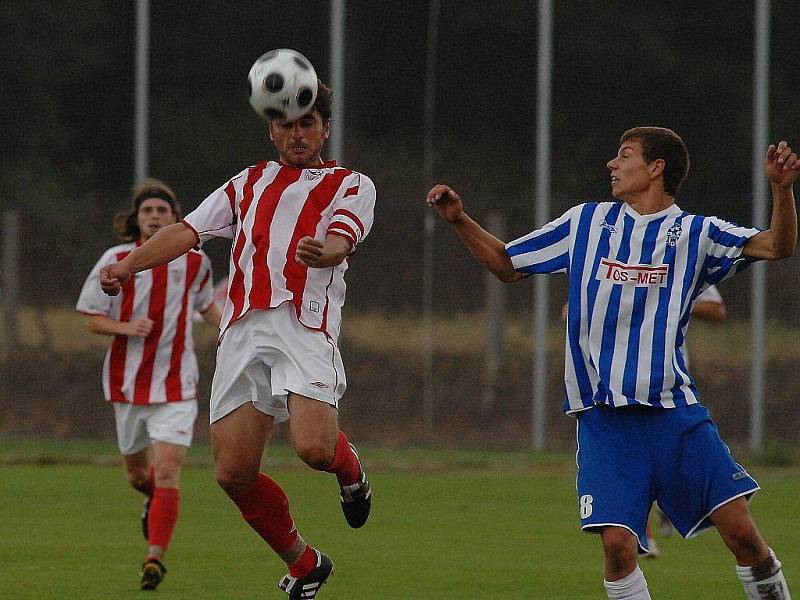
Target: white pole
x: 541, y: 284
x: 428, y: 394
x: 495, y: 319
x: 760, y: 132
x: 142, y: 89
x: 337, y: 30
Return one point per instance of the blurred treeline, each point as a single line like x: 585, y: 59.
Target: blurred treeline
x: 66, y: 158
x: 67, y: 100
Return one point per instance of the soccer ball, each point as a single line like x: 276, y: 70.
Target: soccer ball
x: 283, y: 84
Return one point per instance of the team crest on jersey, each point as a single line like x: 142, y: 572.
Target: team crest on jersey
x: 636, y: 275
x: 673, y: 234
x: 608, y: 226
x: 312, y: 174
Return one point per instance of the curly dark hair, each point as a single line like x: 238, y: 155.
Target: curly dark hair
x: 126, y: 225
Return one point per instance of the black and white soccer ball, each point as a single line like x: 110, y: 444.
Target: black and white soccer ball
x: 283, y: 84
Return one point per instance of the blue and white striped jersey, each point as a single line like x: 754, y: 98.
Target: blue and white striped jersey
x: 632, y: 282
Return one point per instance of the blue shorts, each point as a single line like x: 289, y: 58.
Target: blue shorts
x: 629, y: 457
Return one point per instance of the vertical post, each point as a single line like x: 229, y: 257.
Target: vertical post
x: 337, y: 40
x: 9, y: 263
x: 495, y: 319
x: 761, y: 35
x: 541, y: 284
x: 142, y: 90
x: 429, y: 399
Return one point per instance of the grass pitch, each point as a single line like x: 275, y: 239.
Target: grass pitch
x: 466, y: 525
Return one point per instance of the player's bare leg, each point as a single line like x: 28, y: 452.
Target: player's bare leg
x: 624, y: 579
x: 238, y: 440
x: 161, y: 510
x: 319, y: 442
x: 141, y: 477
x: 313, y: 430
x: 167, y: 461
x: 651, y: 542
x: 758, y: 568
x: 139, y: 472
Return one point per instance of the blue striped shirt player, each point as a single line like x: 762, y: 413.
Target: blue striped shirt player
x: 632, y: 279
x: 636, y: 266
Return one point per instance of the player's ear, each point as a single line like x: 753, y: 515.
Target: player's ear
x: 657, y: 167
x: 326, y: 129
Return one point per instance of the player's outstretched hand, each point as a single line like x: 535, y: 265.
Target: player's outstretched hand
x: 113, y: 277
x: 309, y: 251
x: 446, y: 201
x: 781, y: 164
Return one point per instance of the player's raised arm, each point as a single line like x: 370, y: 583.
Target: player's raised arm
x: 166, y: 245
x: 487, y: 249
x: 782, y: 167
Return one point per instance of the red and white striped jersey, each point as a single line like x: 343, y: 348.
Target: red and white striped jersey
x: 266, y: 209
x: 161, y: 367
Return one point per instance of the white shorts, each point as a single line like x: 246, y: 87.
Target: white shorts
x: 267, y: 354
x: 139, y: 427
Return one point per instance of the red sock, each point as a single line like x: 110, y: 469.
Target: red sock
x: 303, y: 565
x: 163, y: 516
x: 265, y: 507
x: 345, y: 462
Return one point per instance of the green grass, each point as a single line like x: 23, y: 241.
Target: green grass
x: 446, y: 524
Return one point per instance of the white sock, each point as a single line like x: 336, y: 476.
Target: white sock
x: 631, y: 587
x: 764, y: 581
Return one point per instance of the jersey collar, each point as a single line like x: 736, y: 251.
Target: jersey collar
x: 326, y: 164
x: 674, y: 209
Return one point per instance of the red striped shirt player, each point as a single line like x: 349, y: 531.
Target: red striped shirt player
x: 150, y: 372
x: 295, y: 223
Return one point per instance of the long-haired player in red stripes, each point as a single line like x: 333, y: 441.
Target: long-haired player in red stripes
x: 295, y: 222
x: 150, y: 372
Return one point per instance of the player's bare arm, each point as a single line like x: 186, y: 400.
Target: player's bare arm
x: 168, y: 244
x: 782, y: 167
x: 487, y: 249
x: 709, y: 311
x: 102, y: 325
x: 313, y: 253
x: 212, y: 315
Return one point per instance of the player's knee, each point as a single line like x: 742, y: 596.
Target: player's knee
x: 137, y: 478
x: 234, y: 481
x: 167, y: 474
x: 744, y: 541
x: 620, y: 548
x: 318, y: 456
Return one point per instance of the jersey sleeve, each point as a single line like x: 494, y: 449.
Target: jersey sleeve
x: 93, y: 300
x: 545, y: 250
x: 216, y: 215
x: 726, y: 243
x: 354, y: 213
x: 710, y: 294
x: 205, y: 292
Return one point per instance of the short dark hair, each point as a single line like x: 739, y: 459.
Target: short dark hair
x: 663, y: 143
x: 324, y: 102
x: 126, y: 224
